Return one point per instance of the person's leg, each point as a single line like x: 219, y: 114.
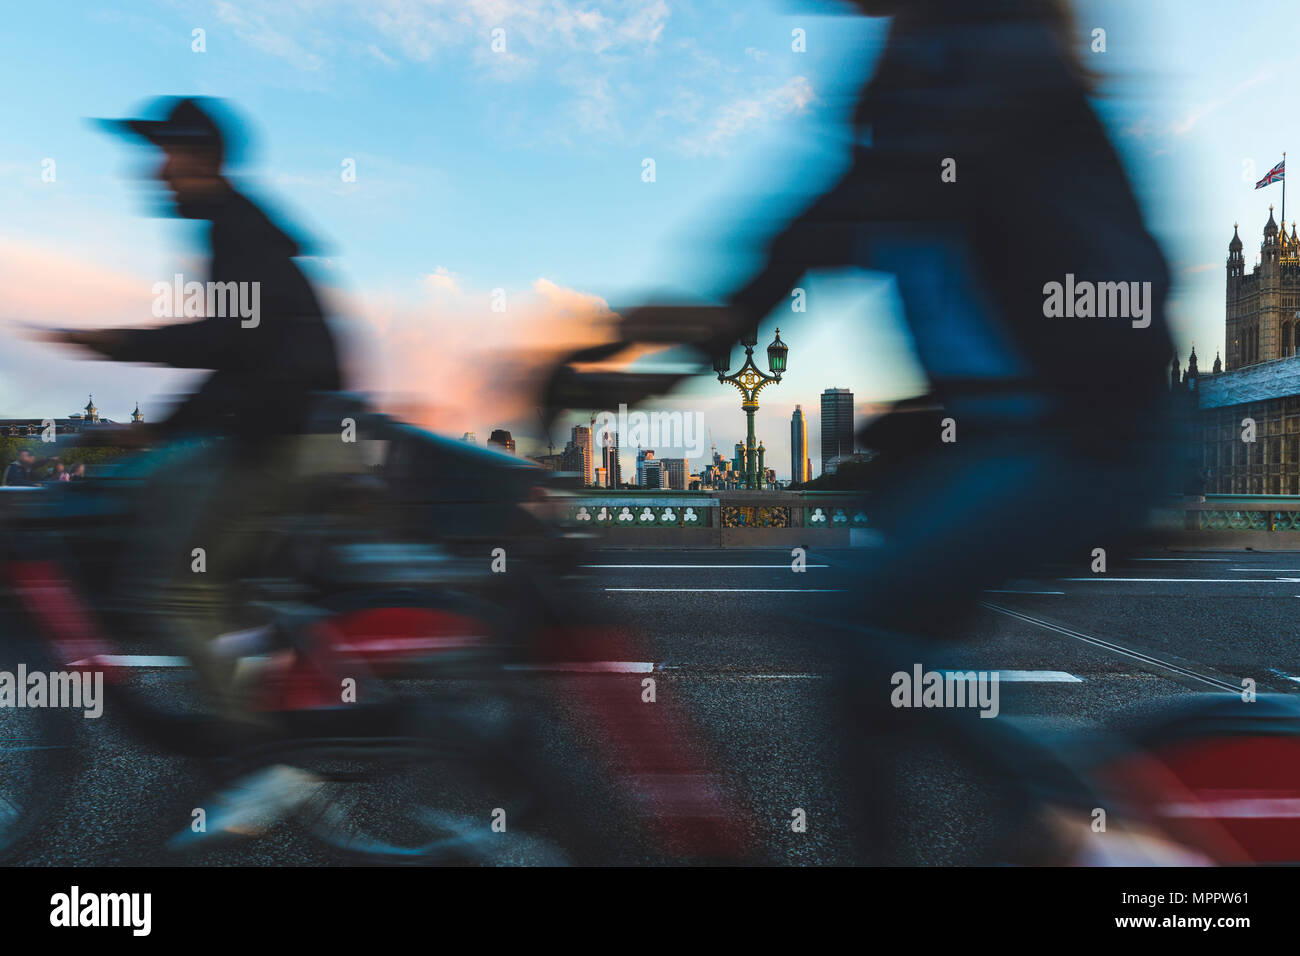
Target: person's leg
x: 962, y: 519
x: 257, y: 489
x: 165, y: 575
x: 208, y: 509
x: 972, y: 514
x: 1035, y: 475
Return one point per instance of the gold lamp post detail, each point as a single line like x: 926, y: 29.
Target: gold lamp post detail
x: 750, y: 380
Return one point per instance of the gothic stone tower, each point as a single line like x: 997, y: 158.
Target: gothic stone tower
x: 1261, y: 307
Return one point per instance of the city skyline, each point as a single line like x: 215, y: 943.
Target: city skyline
x: 743, y: 119
x: 627, y: 455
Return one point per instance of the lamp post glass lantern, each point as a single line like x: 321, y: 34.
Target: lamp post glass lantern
x: 776, y: 353
x: 749, y: 379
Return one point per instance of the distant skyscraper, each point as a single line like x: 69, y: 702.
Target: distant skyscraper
x: 501, y: 438
x: 675, y: 471
x: 577, y: 454
x: 609, y: 459
x: 738, y: 462
x: 469, y: 437
x: 837, y: 425
x: 582, y: 441
x: 652, y: 473
x: 643, y: 455
x: 798, y: 446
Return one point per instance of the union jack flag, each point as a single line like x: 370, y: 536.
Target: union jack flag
x: 1275, y: 175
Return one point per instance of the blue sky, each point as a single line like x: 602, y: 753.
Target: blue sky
x: 479, y: 170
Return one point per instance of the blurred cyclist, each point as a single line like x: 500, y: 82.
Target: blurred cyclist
x: 232, y: 443
x: 981, y: 177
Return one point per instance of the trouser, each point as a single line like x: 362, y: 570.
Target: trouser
x: 201, y: 525
x: 963, y: 518
x: 1039, y: 472
x: 971, y: 514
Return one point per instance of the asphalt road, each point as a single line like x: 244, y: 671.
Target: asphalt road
x: 726, y: 639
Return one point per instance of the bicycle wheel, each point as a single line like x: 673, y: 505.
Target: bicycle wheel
x: 449, y: 793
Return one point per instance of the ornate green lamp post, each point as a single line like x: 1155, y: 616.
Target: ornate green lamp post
x: 750, y: 380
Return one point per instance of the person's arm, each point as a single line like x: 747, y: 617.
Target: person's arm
x: 201, y: 344
x: 822, y: 236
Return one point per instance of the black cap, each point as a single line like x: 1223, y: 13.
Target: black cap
x: 185, y: 122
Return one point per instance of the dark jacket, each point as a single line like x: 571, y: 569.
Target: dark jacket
x: 18, y: 475
x: 263, y: 375
x: 1039, y: 194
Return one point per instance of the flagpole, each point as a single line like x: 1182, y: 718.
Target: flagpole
x: 1284, y: 186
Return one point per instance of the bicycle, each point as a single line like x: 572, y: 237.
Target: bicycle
x: 401, y: 777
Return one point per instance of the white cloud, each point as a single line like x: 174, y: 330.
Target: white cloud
x: 439, y: 360
x: 421, y: 27
x: 443, y: 280
x: 792, y: 96
x: 255, y: 30
x: 380, y: 55
x: 1148, y: 126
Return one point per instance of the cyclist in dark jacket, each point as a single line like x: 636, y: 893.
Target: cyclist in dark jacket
x: 226, y: 471
x: 232, y: 446
x: 982, y: 179
x: 265, y: 365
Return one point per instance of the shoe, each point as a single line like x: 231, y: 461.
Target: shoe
x: 251, y: 806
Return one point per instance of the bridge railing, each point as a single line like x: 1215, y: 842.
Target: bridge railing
x: 832, y: 510
x: 788, y: 518
x: 715, y: 519
x: 818, y: 511
x: 1238, y: 513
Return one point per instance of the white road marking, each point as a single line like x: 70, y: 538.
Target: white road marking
x: 132, y: 660
x: 692, y: 672
x: 1136, y: 655
x: 1106, y: 577
x: 147, y: 661
x: 589, y: 667
x: 785, y: 566
x: 732, y: 590
x: 1006, y: 591
x: 1236, y: 808
x: 586, y: 667
x: 1206, y: 560
x: 1020, y: 677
